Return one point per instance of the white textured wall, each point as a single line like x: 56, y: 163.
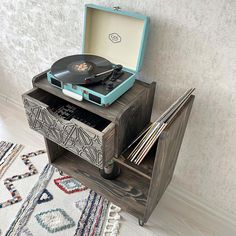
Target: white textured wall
x: 191, y: 44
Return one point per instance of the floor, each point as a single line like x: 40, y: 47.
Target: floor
x: 172, y: 216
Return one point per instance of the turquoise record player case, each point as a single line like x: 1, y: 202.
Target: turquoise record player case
x: 120, y: 37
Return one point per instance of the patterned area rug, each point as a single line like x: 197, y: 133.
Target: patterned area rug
x: 63, y: 206
x: 8, y: 153
x: 19, y: 173
x: 8, y: 182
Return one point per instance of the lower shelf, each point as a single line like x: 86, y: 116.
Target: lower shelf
x: 128, y: 191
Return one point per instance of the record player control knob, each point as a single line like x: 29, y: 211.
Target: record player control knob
x: 109, y: 86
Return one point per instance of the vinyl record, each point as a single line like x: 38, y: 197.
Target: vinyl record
x: 75, y: 69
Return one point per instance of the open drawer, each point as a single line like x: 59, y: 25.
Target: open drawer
x: 94, y: 143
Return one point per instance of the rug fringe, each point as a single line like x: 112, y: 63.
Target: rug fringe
x: 112, y: 225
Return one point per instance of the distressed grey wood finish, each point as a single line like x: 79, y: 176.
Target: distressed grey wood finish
x: 53, y: 150
x: 135, y: 117
x: 134, y: 191
x: 128, y: 191
x: 130, y: 113
x: 138, y: 189
x: 166, y: 156
x: 87, y: 142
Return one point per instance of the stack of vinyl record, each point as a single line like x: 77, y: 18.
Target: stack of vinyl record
x: 151, y: 134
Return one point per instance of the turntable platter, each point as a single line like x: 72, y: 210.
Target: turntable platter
x: 75, y: 69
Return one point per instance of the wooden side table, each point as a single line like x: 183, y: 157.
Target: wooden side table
x: 139, y: 188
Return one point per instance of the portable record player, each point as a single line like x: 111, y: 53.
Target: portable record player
x: 112, y: 54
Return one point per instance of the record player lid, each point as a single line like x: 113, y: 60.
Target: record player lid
x: 116, y: 35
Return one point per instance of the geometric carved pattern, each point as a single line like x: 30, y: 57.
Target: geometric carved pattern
x: 76, y: 139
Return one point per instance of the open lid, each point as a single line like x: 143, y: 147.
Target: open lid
x: 116, y: 35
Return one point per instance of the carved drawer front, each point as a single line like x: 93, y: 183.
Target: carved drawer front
x: 95, y: 146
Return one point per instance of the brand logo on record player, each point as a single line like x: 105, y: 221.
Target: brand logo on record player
x: 115, y: 38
